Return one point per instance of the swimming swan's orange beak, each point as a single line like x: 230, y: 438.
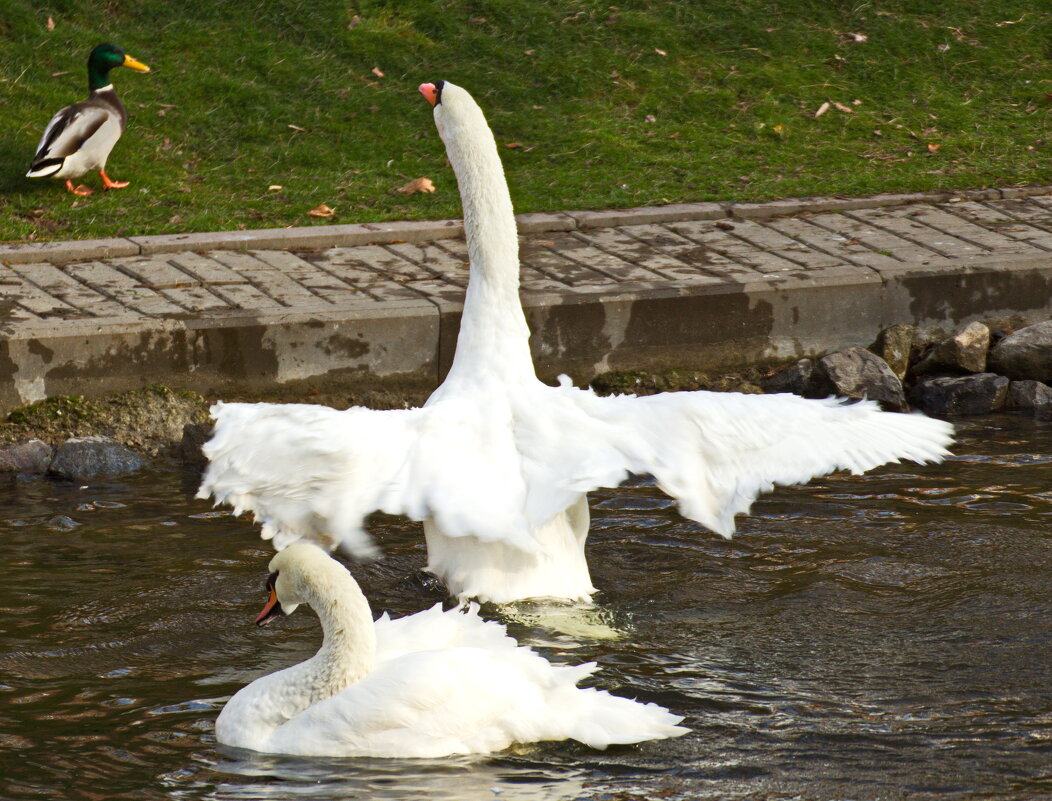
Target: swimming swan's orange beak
x: 271, y: 610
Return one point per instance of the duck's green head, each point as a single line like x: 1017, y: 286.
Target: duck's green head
x: 104, y: 58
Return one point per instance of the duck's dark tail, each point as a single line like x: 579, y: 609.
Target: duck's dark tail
x: 45, y: 167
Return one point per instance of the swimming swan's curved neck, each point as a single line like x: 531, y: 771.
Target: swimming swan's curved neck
x: 348, y: 651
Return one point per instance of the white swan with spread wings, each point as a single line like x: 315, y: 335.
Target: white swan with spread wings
x: 497, y: 464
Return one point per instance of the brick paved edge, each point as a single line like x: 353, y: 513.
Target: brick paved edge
x: 324, y: 236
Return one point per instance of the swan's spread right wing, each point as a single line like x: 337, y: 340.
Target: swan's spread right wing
x: 314, y: 472
x: 715, y: 452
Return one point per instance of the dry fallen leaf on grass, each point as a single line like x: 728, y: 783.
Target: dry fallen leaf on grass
x: 858, y: 38
x: 297, y: 128
x: 1010, y: 21
x: 50, y: 24
x: 779, y: 129
x: 416, y: 185
x: 933, y: 148
x: 822, y: 109
x: 354, y: 22
x: 513, y: 145
x: 275, y: 188
x: 59, y: 73
x: 842, y: 107
x: 650, y: 118
x: 660, y: 52
x: 321, y: 210
x: 377, y: 72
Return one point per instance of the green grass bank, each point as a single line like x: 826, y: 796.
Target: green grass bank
x: 595, y: 104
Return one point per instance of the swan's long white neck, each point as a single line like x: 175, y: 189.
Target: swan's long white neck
x: 348, y: 651
x: 493, y: 336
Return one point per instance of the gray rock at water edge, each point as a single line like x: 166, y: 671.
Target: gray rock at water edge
x: 894, y: 345
x: 1030, y: 396
x: 86, y: 458
x: 970, y: 394
x: 964, y: 352
x: 1024, y: 354
x: 32, y: 456
x: 797, y: 378
x: 195, y: 435
x: 857, y: 373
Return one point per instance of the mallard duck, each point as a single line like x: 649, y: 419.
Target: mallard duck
x: 80, y: 137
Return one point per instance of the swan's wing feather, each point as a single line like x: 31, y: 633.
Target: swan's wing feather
x: 716, y: 452
x: 313, y: 472
x: 436, y: 629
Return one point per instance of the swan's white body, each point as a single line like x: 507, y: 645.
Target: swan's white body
x: 427, y: 685
x: 497, y: 464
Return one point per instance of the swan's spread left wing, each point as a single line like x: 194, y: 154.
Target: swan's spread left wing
x: 713, y: 452
x: 314, y: 472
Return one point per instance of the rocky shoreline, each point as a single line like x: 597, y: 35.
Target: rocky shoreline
x: 975, y: 371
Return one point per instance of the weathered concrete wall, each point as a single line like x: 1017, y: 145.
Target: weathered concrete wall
x: 699, y: 286
x: 395, y: 345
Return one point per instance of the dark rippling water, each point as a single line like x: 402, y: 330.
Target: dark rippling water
x: 888, y: 636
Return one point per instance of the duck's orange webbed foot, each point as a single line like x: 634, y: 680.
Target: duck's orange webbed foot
x: 80, y: 191
x: 111, y: 184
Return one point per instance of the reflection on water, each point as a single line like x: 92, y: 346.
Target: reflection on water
x: 886, y: 636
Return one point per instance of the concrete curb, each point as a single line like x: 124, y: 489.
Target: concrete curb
x: 325, y: 236
x: 582, y: 331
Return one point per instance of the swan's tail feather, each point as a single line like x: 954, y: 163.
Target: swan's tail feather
x: 614, y: 720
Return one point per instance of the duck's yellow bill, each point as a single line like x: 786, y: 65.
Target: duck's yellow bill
x: 131, y: 63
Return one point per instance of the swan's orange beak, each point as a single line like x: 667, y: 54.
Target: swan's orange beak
x: 271, y: 610
x: 429, y: 91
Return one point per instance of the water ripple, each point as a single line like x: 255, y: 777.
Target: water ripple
x: 883, y: 636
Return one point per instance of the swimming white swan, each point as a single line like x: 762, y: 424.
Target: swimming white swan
x: 496, y: 464
x: 427, y: 685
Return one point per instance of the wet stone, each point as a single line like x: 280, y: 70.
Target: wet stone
x: 85, y: 458
x: 893, y: 346
x: 32, y: 456
x: 964, y: 352
x: 797, y: 378
x: 1032, y: 396
x: 1025, y: 354
x: 195, y: 435
x: 972, y: 394
x: 857, y: 373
